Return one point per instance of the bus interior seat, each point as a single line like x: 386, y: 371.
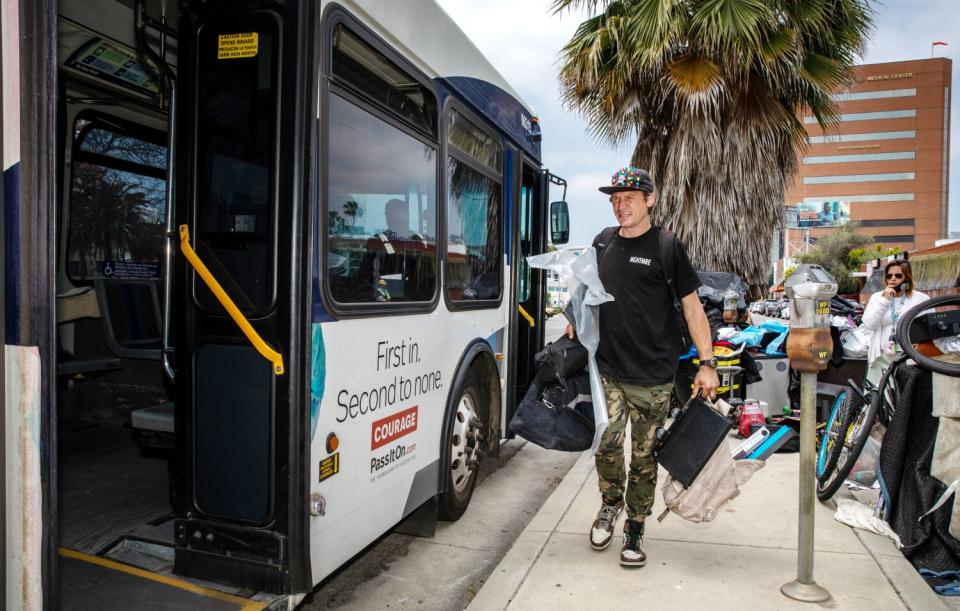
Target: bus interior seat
x: 131, y: 316
x: 132, y: 328
x: 74, y: 305
x: 154, y: 425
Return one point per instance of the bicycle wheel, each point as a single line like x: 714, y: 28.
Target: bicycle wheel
x: 855, y: 429
x: 888, y: 392
x: 829, y: 451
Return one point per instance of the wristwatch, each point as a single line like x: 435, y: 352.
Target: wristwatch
x: 709, y: 363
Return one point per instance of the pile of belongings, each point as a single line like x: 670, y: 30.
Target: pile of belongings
x: 770, y: 337
x: 721, y: 291
x: 556, y: 413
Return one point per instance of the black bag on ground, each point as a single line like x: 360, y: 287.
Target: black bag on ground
x: 689, y: 442
x: 559, y: 417
x: 559, y: 360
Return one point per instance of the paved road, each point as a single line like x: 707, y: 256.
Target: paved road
x: 445, y: 572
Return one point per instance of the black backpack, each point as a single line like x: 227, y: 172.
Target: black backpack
x: 668, y: 254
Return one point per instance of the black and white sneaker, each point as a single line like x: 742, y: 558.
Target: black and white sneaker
x: 602, y: 531
x: 632, y: 553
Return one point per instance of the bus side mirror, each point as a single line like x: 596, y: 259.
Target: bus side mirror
x: 559, y: 223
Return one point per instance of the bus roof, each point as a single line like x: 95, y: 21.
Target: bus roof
x: 423, y: 32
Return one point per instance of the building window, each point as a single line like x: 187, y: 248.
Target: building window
x: 870, y: 116
x: 825, y: 180
x: 831, y: 138
x: 873, y: 95
x: 886, y: 223
x: 886, y: 197
x: 474, y: 212
x: 117, y: 197
x: 861, y: 157
x: 894, y: 239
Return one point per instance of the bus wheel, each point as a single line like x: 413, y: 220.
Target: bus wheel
x: 465, y: 454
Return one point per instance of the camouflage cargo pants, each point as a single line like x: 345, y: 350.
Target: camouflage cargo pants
x: 646, y: 407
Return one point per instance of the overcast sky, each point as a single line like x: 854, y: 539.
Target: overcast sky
x: 523, y: 40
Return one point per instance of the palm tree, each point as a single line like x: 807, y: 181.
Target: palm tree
x: 710, y: 90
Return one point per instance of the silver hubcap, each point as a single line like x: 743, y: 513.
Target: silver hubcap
x: 464, y: 443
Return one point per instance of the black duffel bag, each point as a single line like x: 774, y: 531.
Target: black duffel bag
x: 560, y: 360
x: 558, y: 417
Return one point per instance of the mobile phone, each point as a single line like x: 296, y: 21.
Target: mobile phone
x: 904, y: 286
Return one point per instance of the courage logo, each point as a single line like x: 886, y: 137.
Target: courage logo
x: 393, y: 427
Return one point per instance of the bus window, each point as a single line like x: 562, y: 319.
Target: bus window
x: 381, y: 208
x: 525, y: 222
x: 474, y: 212
x: 236, y: 140
x: 117, y: 196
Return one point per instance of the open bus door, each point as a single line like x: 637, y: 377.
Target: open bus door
x: 241, y: 219
x: 529, y: 295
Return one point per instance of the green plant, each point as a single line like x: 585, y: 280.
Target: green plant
x: 858, y: 256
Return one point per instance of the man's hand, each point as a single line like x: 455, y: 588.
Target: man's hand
x: 706, y: 383
x: 570, y: 331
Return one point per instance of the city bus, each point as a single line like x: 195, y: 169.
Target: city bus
x: 265, y: 290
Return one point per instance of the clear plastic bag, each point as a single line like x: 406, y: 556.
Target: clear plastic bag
x: 856, y: 343
x: 581, y: 277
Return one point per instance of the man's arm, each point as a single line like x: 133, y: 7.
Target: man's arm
x: 706, y: 380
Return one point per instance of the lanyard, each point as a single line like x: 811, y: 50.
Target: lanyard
x: 894, y: 311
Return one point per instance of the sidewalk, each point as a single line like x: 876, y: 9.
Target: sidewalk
x: 736, y: 562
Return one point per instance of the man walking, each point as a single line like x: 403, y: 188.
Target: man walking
x: 641, y: 339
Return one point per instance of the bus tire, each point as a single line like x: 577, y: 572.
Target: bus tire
x: 464, y: 447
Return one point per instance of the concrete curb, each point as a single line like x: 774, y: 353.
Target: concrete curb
x: 501, y: 587
x: 909, y: 585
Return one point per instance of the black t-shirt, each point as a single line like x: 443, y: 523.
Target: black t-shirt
x: 640, y: 339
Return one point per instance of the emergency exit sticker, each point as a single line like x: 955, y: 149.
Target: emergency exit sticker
x: 237, y: 46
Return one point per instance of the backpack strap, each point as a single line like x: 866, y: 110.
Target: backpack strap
x: 668, y: 256
x: 603, y: 240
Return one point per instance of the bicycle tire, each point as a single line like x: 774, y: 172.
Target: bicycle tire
x: 857, y: 432
x: 827, y: 454
x: 888, y: 393
x: 903, y: 335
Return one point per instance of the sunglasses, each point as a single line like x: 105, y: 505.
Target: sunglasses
x: 894, y: 276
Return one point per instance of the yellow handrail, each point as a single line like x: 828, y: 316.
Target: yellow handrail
x: 262, y: 347
x: 526, y: 315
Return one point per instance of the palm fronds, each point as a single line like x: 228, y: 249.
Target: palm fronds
x: 709, y: 91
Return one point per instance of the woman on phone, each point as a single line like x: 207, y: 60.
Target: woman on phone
x: 883, y: 313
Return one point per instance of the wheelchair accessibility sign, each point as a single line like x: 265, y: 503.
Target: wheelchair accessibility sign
x: 129, y: 269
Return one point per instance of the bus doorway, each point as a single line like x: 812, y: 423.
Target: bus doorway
x: 164, y: 479
x: 530, y: 311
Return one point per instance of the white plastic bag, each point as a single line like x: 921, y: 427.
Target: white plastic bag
x: 581, y: 277
x: 856, y: 343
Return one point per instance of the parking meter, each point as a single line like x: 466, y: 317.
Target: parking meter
x: 730, y: 299
x: 809, y: 345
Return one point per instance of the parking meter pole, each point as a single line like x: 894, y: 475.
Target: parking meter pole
x: 804, y: 588
x: 808, y: 428
x: 809, y: 347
